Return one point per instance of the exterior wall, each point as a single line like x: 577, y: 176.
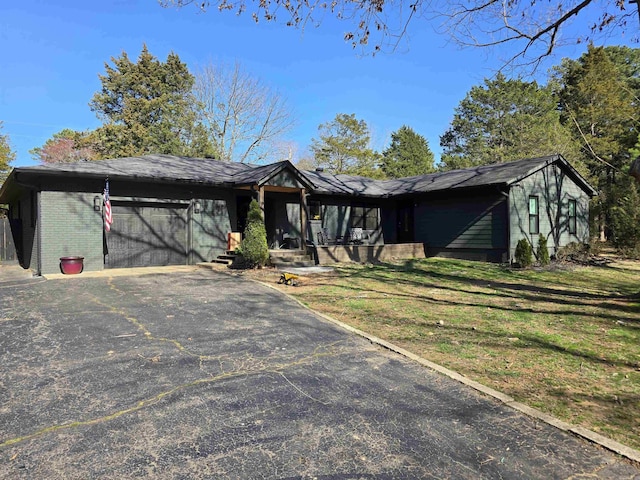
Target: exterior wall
x: 210, y: 227
x: 554, y: 189
x: 70, y: 226
x: 466, y: 226
x: 23, y: 218
x: 284, y: 179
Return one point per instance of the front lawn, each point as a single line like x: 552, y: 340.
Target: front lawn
x: 565, y: 341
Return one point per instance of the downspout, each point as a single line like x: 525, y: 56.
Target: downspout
x: 190, y: 215
x: 508, y: 197
x: 39, y: 232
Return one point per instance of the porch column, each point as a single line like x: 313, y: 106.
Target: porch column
x: 261, y: 199
x: 303, y: 219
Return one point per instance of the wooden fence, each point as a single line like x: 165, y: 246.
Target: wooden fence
x: 7, y: 248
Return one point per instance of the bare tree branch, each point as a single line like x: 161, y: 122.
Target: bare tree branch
x: 534, y: 27
x: 246, y: 118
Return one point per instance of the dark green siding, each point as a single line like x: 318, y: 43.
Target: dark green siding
x: 69, y: 226
x: 554, y: 188
x: 477, y: 223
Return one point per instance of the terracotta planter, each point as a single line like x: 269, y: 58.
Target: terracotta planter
x: 71, y: 265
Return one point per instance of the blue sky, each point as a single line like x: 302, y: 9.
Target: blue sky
x: 54, y: 51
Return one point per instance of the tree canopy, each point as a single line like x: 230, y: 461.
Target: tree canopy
x: 66, y: 146
x: 344, y: 147
x: 598, y: 96
x: 407, y: 155
x: 7, y: 155
x: 505, y: 120
x: 147, y: 107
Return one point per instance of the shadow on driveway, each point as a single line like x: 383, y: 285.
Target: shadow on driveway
x: 202, y: 375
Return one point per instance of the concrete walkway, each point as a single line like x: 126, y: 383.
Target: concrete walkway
x: 198, y: 374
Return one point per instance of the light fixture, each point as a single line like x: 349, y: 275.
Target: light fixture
x: 97, y: 203
x: 197, y: 207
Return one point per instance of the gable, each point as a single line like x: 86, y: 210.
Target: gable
x: 284, y: 178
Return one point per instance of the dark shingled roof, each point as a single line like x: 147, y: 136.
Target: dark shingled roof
x: 151, y: 167
x: 329, y: 183
x: 216, y: 172
x: 501, y: 174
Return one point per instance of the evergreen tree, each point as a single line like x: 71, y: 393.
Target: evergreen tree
x: 147, y: 107
x: 543, y: 250
x: 343, y: 147
x: 7, y: 155
x: 407, y: 155
x: 254, y: 246
x: 502, y: 121
x: 625, y: 215
x: 599, y: 100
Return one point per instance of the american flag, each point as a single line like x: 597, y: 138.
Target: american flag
x: 108, y: 219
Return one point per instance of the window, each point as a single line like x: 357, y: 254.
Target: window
x: 315, y: 210
x: 534, y: 216
x: 573, y: 227
x: 365, y: 217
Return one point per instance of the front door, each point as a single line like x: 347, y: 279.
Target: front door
x: 405, y: 222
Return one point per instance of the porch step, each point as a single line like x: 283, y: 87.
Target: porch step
x: 226, y: 259
x: 299, y: 263
x: 290, y: 258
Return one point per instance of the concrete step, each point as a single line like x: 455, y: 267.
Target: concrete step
x: 289, y: 258
x: 224, y: 261
x: 287, y: 253
x: 298, y: 263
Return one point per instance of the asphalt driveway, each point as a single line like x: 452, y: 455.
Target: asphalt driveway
x: 202, y: 375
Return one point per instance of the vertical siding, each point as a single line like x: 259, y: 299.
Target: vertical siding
x: 477, y: 222
x: 210, y: 227
x: 7, y: 247
x: 70, y: 226
x: 335, y: 216
x: 554, y: 189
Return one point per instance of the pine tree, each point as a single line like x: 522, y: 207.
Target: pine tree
x: 407, y: 155
x: 502, y: 121
x: 147, y: 107
x: 343, y: 147
x: 598, y: 97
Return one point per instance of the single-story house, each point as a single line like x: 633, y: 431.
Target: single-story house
x: 178, y: 210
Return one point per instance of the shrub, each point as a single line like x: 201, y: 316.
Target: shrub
x: 254, y: 246
x: 543, y: 251
x: 524, y: 253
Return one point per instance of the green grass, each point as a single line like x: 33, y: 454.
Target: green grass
x: 565, y: 341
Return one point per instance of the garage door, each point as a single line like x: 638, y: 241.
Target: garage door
x: 145, y: 235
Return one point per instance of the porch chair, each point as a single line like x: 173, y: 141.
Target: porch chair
x: 324, y: 238
x: 356, y: 236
